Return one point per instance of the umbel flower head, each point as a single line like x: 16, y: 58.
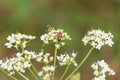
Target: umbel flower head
x: 44, y: 57
x: 18, y: 40
x: 18, y: 63
x: 66, y: 59
x: 21, y: 60
x: 46, y: 72
x: 56, y: 36
x: 98, y: 38
x: 101, y: 69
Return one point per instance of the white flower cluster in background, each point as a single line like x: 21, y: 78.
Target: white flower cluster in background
x: 22, y: 60
x: 46, y: 72
x: 98, y: 38
x: 18, y: 63
x: 66, y: 59
x: 44, y: 57
x: 18, y: 40
x: 101, y: 69
x: 55, y: 36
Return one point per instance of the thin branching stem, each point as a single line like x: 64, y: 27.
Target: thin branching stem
x: 9, y: 75
x: 55, y: 55
x: 33, y: 74
x: 23, y: 75
x: 84, y: 59
x: 61, y: 78
x: 35, y: 70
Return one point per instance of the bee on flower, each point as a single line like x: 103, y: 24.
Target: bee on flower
x: 22, y: 60
x: 56, y: 36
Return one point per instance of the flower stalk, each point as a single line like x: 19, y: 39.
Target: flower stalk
x: 23, y: 76
x: 87, y: 55
x: 9, y: 75
x: 61, y: 78
x: 55, y: 56
x: 33, y: 74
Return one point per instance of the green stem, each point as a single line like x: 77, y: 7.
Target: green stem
x: 23, y: 76
x: 35, y: 70
x: 55, y: 55
x: 9, y: 75
x: 33, y: 74
x: 80, y: 63
x: 61, y: 78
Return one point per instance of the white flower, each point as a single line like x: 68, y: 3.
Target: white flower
x: 44, y: 57
x: 55, y: 36
x: 48, y: 68
x: 19, y: 62
x: 66, y: 59
x: 46, y: 72
x: 29, y: 54
x: 9, y: 45
x: 44, y: 38
x: 27, y: 64
x: 18, y: 40
x: 101, y: 68
x: 98, y: 38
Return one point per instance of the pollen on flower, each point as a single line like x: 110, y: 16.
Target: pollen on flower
x: 98, y: 38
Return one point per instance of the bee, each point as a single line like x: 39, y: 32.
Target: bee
x: 49, y: 28
x: 59, y: 36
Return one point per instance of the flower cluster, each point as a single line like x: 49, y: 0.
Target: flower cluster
x: 18, y: 40
x: 66, y: 59
x: 18, y: 63
x: 55, y: 36
x: 98, y: 38
x: 22, y: 60
x: 29, y: 55
x: 46, y: 72
x: 44, y: 57
x: 101, y: 68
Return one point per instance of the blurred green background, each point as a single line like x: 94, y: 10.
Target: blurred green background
x: 75, y: 16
